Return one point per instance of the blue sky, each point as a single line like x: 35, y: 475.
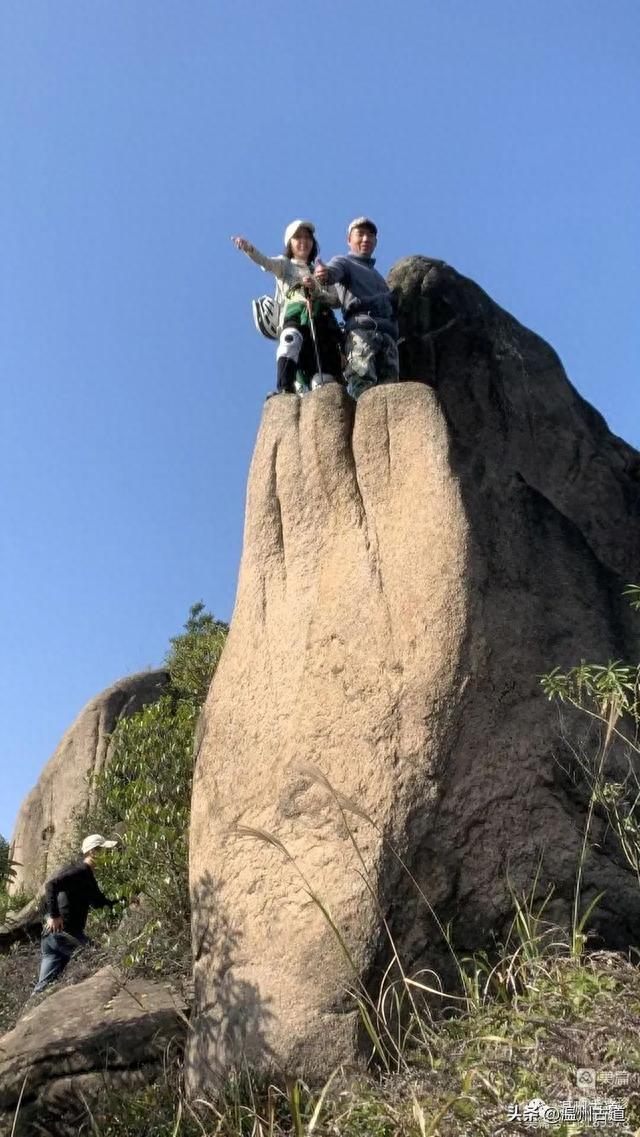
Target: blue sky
x: 137, y: 136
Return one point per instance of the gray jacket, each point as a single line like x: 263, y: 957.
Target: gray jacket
x: 365, y: 296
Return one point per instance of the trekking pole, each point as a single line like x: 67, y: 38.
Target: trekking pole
x: 312, y: 325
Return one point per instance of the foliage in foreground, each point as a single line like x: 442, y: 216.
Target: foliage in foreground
x: 531, y: 1021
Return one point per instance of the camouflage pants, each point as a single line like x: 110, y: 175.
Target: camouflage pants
x: 372, y: 358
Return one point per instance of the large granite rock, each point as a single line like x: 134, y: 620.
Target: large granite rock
x: 106, y: 1033
x: 42, y: 828
x: 410, y: 567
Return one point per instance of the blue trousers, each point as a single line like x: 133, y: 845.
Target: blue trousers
x: 56, y: 950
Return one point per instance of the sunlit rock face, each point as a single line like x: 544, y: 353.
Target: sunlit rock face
x: 411, y: 566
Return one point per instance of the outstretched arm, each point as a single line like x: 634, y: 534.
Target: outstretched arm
x: 269, y: 264
x: 98, y: 899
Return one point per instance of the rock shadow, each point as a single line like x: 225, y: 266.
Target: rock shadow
x: 553, y: 508
x: 230, y: 1021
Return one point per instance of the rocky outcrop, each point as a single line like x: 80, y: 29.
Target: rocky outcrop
x: 103, y: 1034
x: 22, y: 926
x: 42, y: 829
x: 410, y: 567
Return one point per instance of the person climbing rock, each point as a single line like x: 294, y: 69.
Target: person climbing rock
x: 300, y: 299
x: 68, y: 897
x: 368, y: 307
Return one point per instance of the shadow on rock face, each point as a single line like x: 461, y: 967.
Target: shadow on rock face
x: 230, y: 1017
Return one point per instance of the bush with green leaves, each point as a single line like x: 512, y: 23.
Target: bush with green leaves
x: 609, y: 696
x: 8, y: 868
x: 143, y: 795
x: 7, y: 865
x: 194, y: 654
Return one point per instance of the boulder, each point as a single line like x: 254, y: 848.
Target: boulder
x: 411, y: 566
x: 24, y: 925
x: 102, y: 1034
x: 41, y: 834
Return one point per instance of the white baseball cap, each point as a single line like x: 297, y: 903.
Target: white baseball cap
x: 95, y: 841
x: 292, y: 229
x: 363, y: 223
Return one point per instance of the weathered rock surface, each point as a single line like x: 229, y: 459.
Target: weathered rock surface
x: 22, y: 926
x: 100, y: 1034
x: 410, y: 567
x: 62, y: 790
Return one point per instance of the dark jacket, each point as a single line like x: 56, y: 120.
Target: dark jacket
x: 365, y: 296
x: 71, y: 893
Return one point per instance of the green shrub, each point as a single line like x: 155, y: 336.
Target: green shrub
x: 608, y: 695
x: 144, y: 795
x: 7, y: 865
x: 194, y: 654
x: 7, y: 874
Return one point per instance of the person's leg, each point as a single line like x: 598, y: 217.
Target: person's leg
x: 306, y: 361
x: 360, y: 350
x: 328, y: 336
x: 287, y: 356
x: 54, y: 958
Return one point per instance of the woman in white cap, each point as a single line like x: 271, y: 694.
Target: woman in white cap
x: 299, y: 297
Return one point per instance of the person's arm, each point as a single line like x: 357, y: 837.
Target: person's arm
x: 97, y: 898
x: 53, y: 887
x: 336, y: 272
x: 269, y: 264
x: 327, y: 296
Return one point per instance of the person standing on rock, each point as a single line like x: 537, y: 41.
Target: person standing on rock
x: 369, y: 310
x: 300, y: 298
x: 68, y: 897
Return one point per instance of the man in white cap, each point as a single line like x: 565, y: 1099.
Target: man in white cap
x: 368, y: 307
x: 68, y: 897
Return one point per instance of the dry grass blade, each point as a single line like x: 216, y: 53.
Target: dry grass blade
x: 197, y: 1120
x: 178, y: 1119
x: 19, y: 1105
x: 317, y: 1112
x: 267, y: 838
x: 314, y: 774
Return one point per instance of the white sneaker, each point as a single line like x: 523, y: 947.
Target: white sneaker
x: 321, y: 381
